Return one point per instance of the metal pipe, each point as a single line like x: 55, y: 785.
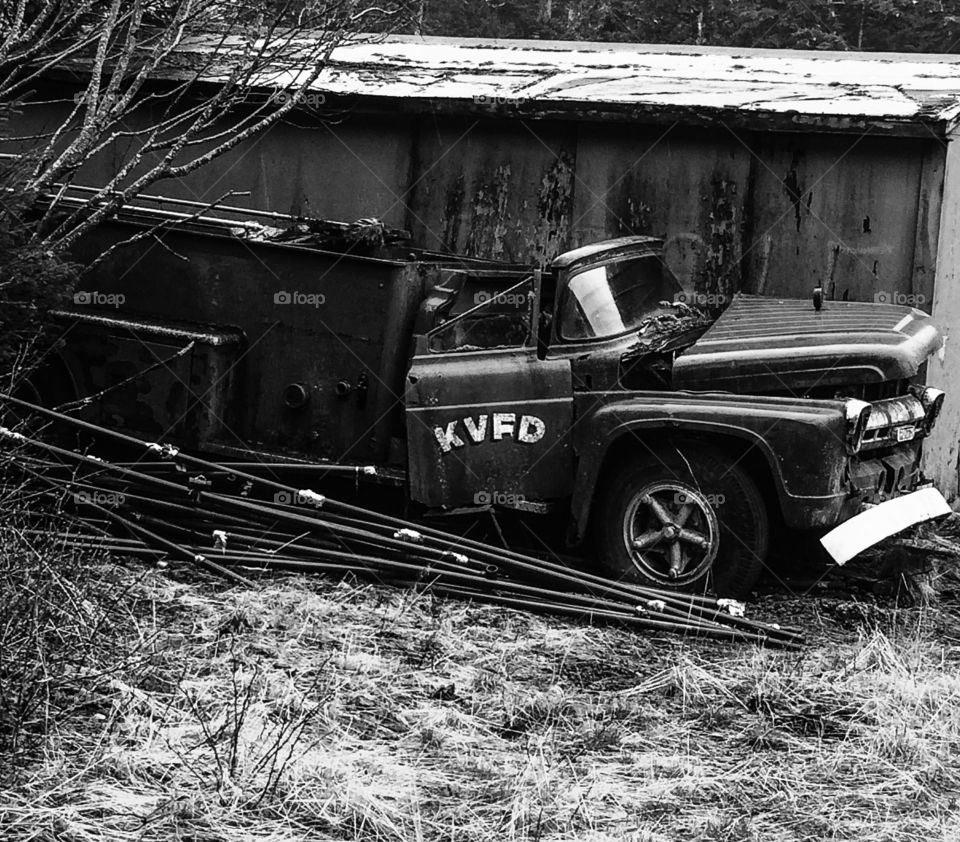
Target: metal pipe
x: 351, y: 528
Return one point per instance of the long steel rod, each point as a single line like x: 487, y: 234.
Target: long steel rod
x: 690, y: 606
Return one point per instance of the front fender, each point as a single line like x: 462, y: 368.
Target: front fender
x: 801, y: 441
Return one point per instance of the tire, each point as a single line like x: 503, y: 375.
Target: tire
x: 697, y: 516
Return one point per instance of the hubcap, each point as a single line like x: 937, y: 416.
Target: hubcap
x: 672, y: 532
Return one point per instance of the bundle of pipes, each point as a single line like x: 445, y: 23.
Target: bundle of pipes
x: 178, y: 515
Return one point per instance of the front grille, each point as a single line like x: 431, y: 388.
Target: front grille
x: 885, y: 474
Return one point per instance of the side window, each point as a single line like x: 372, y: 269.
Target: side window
x: 502, y: 319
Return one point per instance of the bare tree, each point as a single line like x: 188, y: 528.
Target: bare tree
x: 169, y: 82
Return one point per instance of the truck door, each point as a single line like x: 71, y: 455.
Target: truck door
x: 487, y: 421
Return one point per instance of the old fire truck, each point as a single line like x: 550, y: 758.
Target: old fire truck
x: 674, y: 439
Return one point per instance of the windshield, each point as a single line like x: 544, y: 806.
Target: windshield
x: 615, y: 298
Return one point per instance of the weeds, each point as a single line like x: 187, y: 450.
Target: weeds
x: 305, y: 709
x: 64, y: 635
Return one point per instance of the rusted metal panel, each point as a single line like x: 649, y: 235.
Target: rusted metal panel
x: 317, y: 320
x: 496, y: 189
x: 345, y: 170
x: 835, y: 212
x: 687, y: 186
x: 149, y: 373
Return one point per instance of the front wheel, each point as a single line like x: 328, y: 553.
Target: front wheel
x: 689, y: 520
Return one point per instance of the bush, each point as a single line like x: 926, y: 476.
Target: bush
x: 61, y: 633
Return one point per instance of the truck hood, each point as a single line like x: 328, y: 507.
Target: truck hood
x: 763, y: 345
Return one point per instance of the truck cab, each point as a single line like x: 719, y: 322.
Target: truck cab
x: 676, y: 438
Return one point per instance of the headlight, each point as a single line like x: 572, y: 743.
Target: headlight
x: 932, y: 400
x: 857, y: 414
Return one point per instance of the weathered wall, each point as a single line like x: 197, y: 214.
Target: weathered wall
x: 501, y: 189
x: 690, y: 187
x: 835, y: 211
x: 342, y: 170
x: 776, y: 213
x: 942, y: 451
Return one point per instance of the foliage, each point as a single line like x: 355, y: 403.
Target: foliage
x: 894, y: 25
x: 114, y: 48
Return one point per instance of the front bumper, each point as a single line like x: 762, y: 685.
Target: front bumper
x: 881, y: 521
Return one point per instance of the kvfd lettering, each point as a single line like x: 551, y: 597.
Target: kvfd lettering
x: 500, y: 425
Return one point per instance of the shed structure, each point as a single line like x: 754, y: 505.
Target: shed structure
x: 765, y: 171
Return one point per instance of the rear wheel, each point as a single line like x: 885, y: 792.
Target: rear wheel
x: 690, y: 520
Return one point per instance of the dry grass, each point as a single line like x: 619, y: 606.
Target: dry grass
x: 305, y: 709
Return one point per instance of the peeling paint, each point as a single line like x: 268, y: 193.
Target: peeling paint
x: 554, y: 206
x: 638, y: 216
x: 683, y: 253
x: 489, y: 217
x: 722, y: 262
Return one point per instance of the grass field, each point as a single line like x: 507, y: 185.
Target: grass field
x: 180, y: 709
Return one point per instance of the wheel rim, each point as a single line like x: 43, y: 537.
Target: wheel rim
x: 671, y: 532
